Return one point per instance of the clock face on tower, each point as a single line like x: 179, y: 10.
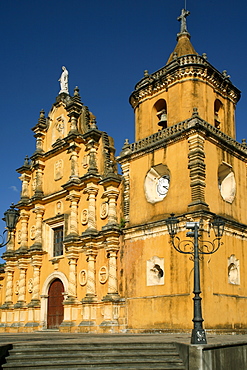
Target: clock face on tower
x: 163, y: 186
x: 156, y: 183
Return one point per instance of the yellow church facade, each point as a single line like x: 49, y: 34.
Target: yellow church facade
x: 91, y: 250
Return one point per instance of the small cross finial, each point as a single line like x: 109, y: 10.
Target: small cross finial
x: 182, y: 18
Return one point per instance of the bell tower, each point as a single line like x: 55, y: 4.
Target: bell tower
x: 188, y: 80
x: 185, y: 160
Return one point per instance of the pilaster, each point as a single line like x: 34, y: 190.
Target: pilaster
x: 39, y: 211
x: 197, y: 169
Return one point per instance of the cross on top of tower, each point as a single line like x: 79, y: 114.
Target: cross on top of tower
x: 182, y: 18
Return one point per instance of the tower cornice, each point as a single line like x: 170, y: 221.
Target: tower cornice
x: 181, y: 69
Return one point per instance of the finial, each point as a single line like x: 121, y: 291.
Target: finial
x: 76, y: 91
x: 26, y: 161
x: 175, y: 55
x: 146, y: 74
x: 42, y: 120
x: 182, y: 18
x: 244, y: 142
x: 42, y: 113
x: 93, y: 123
x: 195, y: 112
x: 204, y: 55
x: 76, y: 97
x: 225, y: 75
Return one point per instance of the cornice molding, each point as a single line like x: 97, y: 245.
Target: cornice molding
x: 180, y: 131
x: 186, y: 67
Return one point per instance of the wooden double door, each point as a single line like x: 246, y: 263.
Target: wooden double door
x: 55, y: 312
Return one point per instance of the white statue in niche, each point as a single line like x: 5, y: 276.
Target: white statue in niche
x: 233, y: 270
x: 155, y: 271
x: 64, y: 79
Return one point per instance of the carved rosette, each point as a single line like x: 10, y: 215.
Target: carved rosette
x: 103, y: 274
x: 83, y: 277
x: 84, y: 216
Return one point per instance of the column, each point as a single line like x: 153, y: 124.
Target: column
x: 112, y: 195
x: 9, y: 283
x: 10, y: 246
x: 24, y: 229
x: 39, y: 211
x: 25, y: 179
x: 22, y: 281
x: 72, y: 288
x: 74, y: 198
x: 39, y: 179
x: 112, y: 250
x: 92, y: 191
x: 91, y: 283
x: 36, y: 263
x: 74, y: 150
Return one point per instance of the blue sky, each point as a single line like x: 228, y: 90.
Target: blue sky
x: 106, y: 46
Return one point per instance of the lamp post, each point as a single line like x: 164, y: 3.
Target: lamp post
x: 198, y: 335
x: 10, y: 217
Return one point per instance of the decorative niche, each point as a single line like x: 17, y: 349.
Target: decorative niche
x: 233, y: 270
x: 157, y: 183
x: 227, y: 182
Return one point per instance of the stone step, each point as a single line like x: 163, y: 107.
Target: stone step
x: 94, y: 345
x: 55, y: 355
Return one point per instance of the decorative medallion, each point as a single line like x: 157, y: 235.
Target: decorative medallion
x: 30, y: 285
x: 84, y: 216
x: 17, y: 287
x: 34, y: 184
x: 59, y: 208
x: 32, y: 232
x: 83, y: 277
x: 85, y: 161
x: 58, y: 170
x: 104, y: 210
x: 103, y: 274
x: 19, y: 237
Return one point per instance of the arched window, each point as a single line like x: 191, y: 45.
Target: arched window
x: 218, y: 113
x: 160, y: 113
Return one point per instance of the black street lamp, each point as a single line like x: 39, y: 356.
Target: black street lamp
x: 10, y: 217
x: 198, y: 335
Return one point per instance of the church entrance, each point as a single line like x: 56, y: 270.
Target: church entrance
x: 55, y: 304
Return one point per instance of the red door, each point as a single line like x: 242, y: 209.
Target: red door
x: 55, y: 304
